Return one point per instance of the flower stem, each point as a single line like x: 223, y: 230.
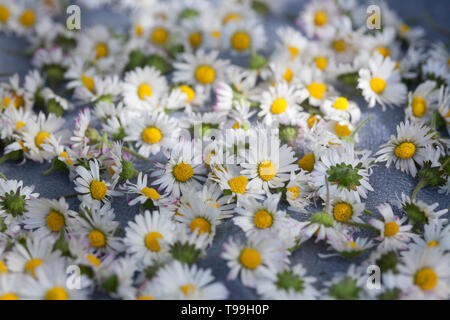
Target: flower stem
x: 360, y: 126
x: 134, y: 153
x: 3, y: 176
x: 422, y: 183
x: 370, y: 213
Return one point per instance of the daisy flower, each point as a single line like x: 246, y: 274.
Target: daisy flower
x: 91, y: 188
x: 345, y: 210
x: 290, y: 283
x: 419, y: 212
x: 231, y: 181
x: 48, y: 216
x: 179, y: 281
x: 51, y: 283
x: 152, y: 131
x: 281, y: 103
x: 32, y: 254
x: 98, y: 225
x: 381, y: 83
x: 341, y: 109
x: 393, y: 232
x: 241, y: 36
x: 291, y: 44
x: 298, y: 191
x: 316, y: 87
x: 200, y: 69
x: 149, y: 236
x: 347, y: 171
x: 269, y: 164
x: 13, y: 200
x: 183, y: 172
x: 144, y: 193
x: 253, y: 258
x: 427, y: 273
x: 407, y: 148
x: 143, y: 85
x: 198, y: 216
x: 38, y: 132
x: 212, y: 195
x: 422, y: 102
x: 434, y: 235
x: 317, y: 18
x: 348, y: 247
x: 261, y: 218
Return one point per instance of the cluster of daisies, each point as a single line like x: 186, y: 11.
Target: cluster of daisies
x: 224, y: 132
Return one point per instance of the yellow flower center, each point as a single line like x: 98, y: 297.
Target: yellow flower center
x: 294, y: 51
x: 101, y: 50
x: 160, y: 36
x: 195, y: 39
x: 139, y: 30
x: 151, y: 241
x: 240, y: 41
x: 342, y: 212
x: 32, y: 264
x: 391, y: 229
x: 321, y: 63
x: 352, y: 245
x: 65, y: 155
x: 263, y: 219
x: 151, y: 135
x: 97, y: 239
x: 320, y: 18
x: 88, y: 82
x: 342, y: 130
x: 205, y: 74
x: 41, y: 137
x: 98, y: 189
x: 151, y: 193
x: 216, y: 34
x: 339, y: 45
x: 55, y: 221
x: 266, y: 170
x: 426, y: 279
x: 57, y: 293
x: 144, y: 91
x: 20, y: 125
x: 9, y: 296
x: 250, y: 258
x: 294, y: 192
x: 188, y: 289
x: 288, y: 75
x: 419, y: 107
x: 316, y: 90
x: 432, y: 243
x: 341, y: 103
x: 238, y: 184
x: 3, y: 268
x: 190, y: 93
x: 4, y: 14
x: 28, y: 18
x: 405, y: 150
x: 404, y: 29
x: 378, y: 85
x: 307, y: 162
x: 231, y: 16
x: 19, y: 101
x: 385, y: 52
x: 200, y: 224
x: 279, y: 106
x: 183, y: 172
x: 311, y: 121
x: 94, y: 260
